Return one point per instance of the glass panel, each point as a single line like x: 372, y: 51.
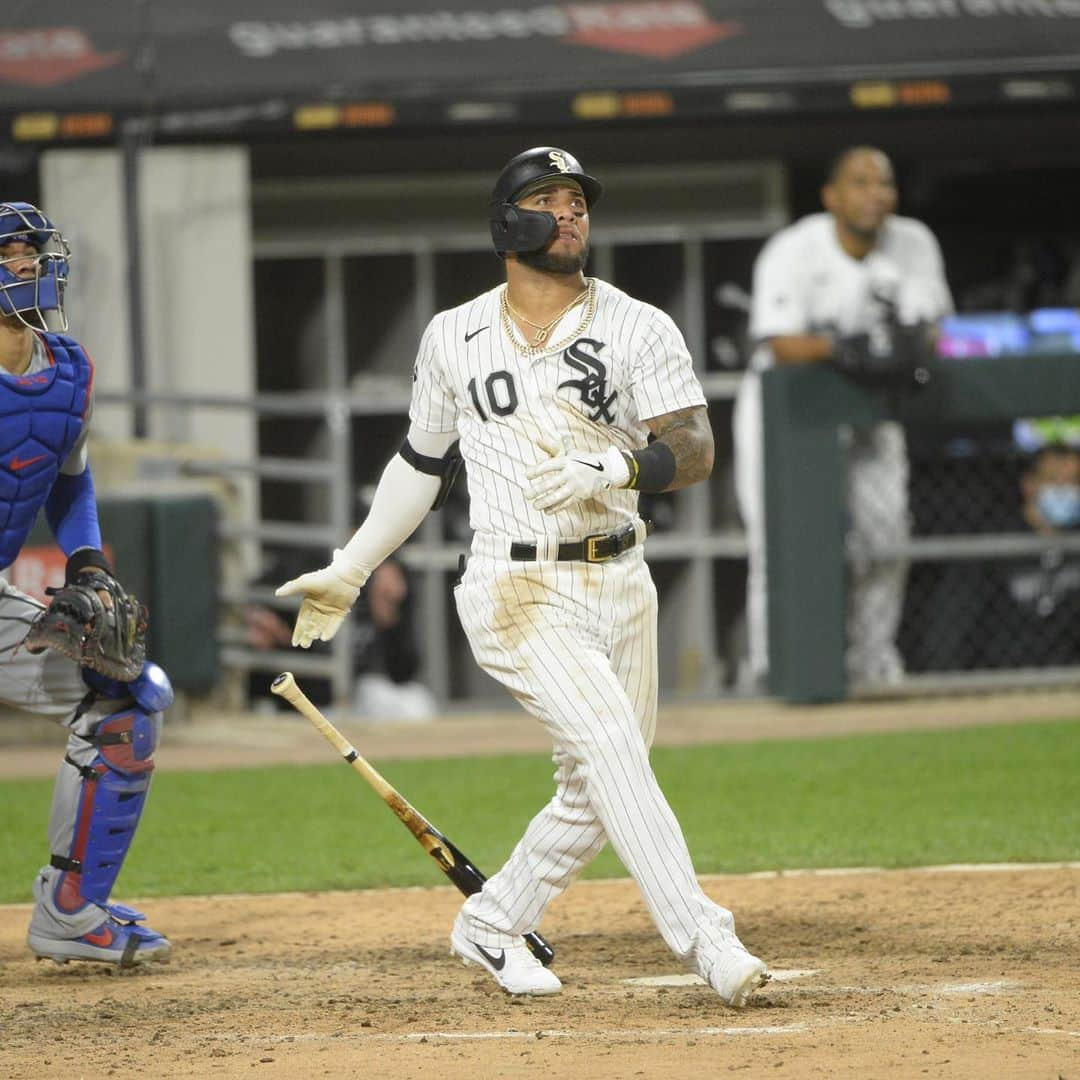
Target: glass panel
x: 729, y: 268
x: 290, y: 331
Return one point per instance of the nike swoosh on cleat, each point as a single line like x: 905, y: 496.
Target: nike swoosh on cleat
x: 469, y: 336
x: 497, y: 962
x: 598, y: 468
x: 17, y: 463
x: 103, y: 936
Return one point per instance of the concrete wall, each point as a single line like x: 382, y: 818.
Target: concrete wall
x: 196, y: 252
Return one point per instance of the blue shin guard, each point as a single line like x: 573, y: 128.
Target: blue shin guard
x: 107, y: 802
x: 111, y: 802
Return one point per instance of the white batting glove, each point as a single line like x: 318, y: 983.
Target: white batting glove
x: 329, y: 595
x: 575, y: 475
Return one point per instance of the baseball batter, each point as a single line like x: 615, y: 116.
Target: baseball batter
x: 553, y: 383
x: 824, y: 284
x: 45, y: 400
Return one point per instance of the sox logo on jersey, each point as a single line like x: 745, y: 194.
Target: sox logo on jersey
x: 593, y: 384
x: 589, y: 390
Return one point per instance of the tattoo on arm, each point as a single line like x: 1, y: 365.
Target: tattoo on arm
x: 687, y: 433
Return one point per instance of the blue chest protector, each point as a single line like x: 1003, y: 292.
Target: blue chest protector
x: 41, y: 418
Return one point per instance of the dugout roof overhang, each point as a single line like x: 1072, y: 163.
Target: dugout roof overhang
x: 85, y: 73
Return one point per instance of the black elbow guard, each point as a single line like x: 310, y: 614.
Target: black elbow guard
x: 445, y: 468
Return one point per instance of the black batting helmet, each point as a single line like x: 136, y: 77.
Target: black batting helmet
x: 514, y: 229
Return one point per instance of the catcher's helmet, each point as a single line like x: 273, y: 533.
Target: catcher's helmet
x: 514, y: 229
x: 28, y: 298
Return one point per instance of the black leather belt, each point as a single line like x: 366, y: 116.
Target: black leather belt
x: 596, y: 548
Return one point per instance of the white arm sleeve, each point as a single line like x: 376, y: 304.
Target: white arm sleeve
x: 402, y: 499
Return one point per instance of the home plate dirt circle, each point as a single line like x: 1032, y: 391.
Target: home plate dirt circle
x: 965, y: 973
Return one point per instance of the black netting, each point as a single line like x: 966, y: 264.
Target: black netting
x: 992, y: 614
x: 967, y: 484
x: 990, y: 610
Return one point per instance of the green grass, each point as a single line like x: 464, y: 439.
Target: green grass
x: 992, y: 794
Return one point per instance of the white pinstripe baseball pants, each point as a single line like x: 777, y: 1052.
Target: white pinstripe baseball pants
x: 575, y: 643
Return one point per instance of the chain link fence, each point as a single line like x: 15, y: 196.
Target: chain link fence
x: 988, y: 578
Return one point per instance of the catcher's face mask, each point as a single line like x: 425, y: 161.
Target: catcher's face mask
x: 33, y: 266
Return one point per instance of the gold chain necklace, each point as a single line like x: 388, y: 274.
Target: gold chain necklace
x: 540, y: 345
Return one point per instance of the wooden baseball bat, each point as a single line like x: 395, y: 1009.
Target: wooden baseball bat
x: 456, y: 866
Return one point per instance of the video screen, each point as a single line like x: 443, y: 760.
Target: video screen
x: 1002, y: 333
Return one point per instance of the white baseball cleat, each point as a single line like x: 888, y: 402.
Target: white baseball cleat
x: 734, y: 974
x: 514, y: 968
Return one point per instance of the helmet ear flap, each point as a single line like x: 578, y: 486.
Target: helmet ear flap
x: 501, y: 218
x: 514, y: 229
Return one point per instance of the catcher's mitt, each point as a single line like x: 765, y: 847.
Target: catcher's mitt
x: 81, y: 625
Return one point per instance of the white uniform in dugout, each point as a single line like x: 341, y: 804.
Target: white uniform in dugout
x: 805, y: 283
x: 566, y: 623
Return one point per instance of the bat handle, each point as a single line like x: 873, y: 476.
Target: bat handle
x: 540, y: 948
x: 285, y: 686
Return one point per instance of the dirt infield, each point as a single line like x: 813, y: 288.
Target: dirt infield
x: 945, y: 973
x: 880, y: 974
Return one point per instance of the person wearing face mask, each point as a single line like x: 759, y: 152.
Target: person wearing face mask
x: 1021, y: 612
x: 1051, y: 490
x: 1047, y: 593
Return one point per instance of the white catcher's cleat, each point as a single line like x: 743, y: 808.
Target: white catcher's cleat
x: 514, y: 968
x: 734, y: 974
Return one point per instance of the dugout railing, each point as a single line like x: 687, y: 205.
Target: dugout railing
x: 334, y: 473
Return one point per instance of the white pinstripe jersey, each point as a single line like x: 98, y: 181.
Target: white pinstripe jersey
x: 629, y: 364
x: 804, y: 281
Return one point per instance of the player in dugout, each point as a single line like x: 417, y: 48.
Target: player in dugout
x: 856, y: 286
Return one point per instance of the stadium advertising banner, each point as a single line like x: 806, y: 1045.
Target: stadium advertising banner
x: 79, y: 71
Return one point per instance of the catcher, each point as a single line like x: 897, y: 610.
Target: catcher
x: 82, y: 659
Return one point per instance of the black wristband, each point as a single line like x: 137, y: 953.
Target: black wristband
x: 652, y: 469
x: 84, y: 559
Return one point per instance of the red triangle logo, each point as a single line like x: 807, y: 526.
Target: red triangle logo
x: 661, y: 42
x: 50, y: 57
